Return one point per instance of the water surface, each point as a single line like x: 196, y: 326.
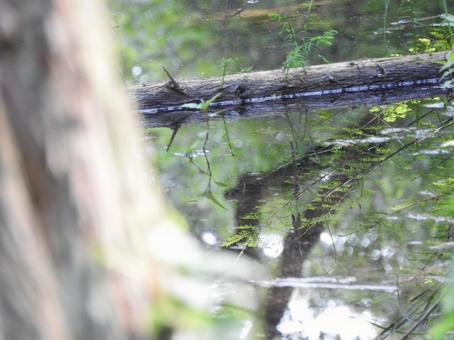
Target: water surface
x: 342, y: 206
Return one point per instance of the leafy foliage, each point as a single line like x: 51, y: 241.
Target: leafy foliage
x: 301, y: 43
x: 392, y: 112
x: 246, y: 236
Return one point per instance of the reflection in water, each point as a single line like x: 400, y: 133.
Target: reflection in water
x: 341, y: 201
x: 305, y: 226
x: 338, y: 237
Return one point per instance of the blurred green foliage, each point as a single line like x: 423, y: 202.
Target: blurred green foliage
x: 154, y: 33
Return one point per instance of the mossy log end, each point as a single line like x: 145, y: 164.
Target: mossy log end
x: 241, y: 92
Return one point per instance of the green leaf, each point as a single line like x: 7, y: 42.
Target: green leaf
x: 205, y: 104
x: 394, y: 111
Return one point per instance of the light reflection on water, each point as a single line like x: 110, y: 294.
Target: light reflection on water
x: 324, y: 283
x: 335, y: 319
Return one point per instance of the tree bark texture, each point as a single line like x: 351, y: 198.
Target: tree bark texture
x: 76, y: 200
x: 369, y: 81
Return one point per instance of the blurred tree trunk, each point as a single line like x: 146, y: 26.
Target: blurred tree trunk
x: 77, y: 201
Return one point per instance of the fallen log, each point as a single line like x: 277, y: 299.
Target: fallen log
x: 170, y: 103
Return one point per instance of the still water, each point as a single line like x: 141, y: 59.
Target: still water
x: 344, y: 209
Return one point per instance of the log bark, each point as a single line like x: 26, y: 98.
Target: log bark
x: 249, y: 94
